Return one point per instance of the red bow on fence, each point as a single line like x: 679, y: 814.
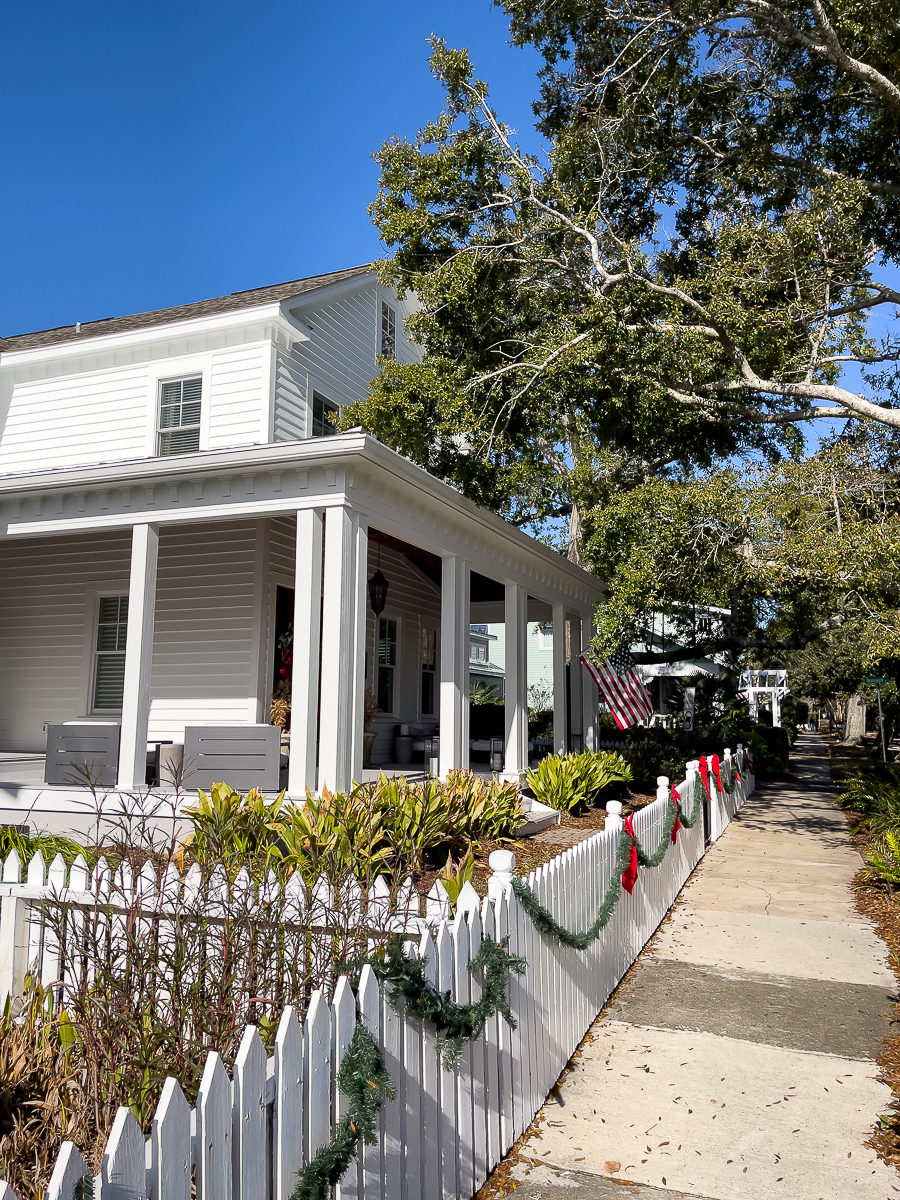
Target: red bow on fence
x: 629, y: 875
x: 676, y: 800
x: 717, y: 771
x: 749, y: 760
x: 704, y: 775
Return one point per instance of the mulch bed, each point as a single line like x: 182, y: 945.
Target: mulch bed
x: 534, y: 851
x: 881, y: 905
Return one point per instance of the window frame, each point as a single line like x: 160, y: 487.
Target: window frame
x: 392, y: 334
x: 163, y: 382
x: 432, y: 672
x: 95, y: 591
x: 329, y: 405
x: 388, y: 615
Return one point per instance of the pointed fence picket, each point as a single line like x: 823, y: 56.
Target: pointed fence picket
x: 447, y: 1129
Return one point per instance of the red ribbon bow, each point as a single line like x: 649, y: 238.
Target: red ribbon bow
x: 629, y: 875
x: 677, y: 825
x: 717, y: 771
x: 749, y: 760
x: 704, y: 775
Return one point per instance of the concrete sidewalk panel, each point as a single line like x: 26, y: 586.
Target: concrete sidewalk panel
x: 848, y: 950
x: 718, y: 1117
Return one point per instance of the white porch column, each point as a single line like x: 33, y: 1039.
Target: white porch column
x: 138, y: 656
x: 575, y: 682
x: 590, y: 696
x: 340, y: 693
x: 361, y: 602
x: 516, y: 667
x: 454, y: 711
x: 560, y: 741
x: 305, y: 677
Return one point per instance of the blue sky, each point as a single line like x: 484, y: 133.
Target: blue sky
x: 155, y: 154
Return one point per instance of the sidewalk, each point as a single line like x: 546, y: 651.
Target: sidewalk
x: 737, y: 1059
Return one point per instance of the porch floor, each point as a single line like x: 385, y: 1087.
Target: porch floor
x: 21, y: 768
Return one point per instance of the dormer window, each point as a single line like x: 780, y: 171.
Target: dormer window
x: 388, y: 331
x: 322, y: 409
x: 179, y: 416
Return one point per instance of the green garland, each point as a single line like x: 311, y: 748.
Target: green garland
x: 456, y: 1023
x: 365, y: 1084
x: 545, y: 922
x: 362, y: 1077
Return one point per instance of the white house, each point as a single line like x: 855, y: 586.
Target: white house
x: 172, y: 502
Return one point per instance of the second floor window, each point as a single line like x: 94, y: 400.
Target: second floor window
x: 388, y: 331
x: 179, y: 416
x: 321, y: 425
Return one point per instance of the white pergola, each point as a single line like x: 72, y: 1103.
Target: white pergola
x: 769, y: 683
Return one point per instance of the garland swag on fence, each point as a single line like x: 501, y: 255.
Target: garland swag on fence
x: 629, y: 853
x: 362, y: 1077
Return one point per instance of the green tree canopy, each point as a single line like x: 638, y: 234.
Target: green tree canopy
x: 573, y: 346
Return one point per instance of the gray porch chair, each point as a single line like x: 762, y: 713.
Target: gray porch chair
x: 244, y: 756
x: 75, y: 752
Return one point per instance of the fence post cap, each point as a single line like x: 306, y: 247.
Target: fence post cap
x: 502, y: 863
x: 614, y: 808
x: 662, y: 781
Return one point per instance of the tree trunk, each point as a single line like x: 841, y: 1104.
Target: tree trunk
x: 855, y: 723
x: 576, y: 537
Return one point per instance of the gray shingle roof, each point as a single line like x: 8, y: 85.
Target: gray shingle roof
x: 183, y: 312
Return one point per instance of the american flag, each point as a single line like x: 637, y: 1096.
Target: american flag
x: 621, y: 688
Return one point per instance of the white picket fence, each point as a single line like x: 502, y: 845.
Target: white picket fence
x: 246, y: 1138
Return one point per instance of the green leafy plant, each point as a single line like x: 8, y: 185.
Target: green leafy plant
x: 336, y: 835
x: 481, y: 808
x: 417, y: 819
x: 49, y: 845
x: 572, y: 781
x: 877, y: 800
x: 884, y: 861
x: 227, y: 824
x: 455, y: 876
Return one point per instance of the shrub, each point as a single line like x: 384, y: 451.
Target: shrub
x: 571, y: 781
x: 335, y: 835
x: 481, y: 808
x: 877, y: 800
x: 884, y: 860
x: 227, y: 824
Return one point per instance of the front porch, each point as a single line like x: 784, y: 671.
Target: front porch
x: 213, y: 562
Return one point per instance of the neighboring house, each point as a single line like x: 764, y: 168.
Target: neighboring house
x: 486, y: 660
x: 660, y: 677
x: 540, y: 654
x: 177, y: 519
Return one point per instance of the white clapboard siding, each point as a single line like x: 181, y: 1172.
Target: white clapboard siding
x: 85, y: 418
x: 203, y: 667
x: 340, y: 352
x: 239, y: 382
x: 43, y: 628
x: 446, y: 1130
x: 292, y: 422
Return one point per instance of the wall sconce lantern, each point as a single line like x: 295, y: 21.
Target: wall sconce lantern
x: 378, y: 590
x: 496, y: 755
